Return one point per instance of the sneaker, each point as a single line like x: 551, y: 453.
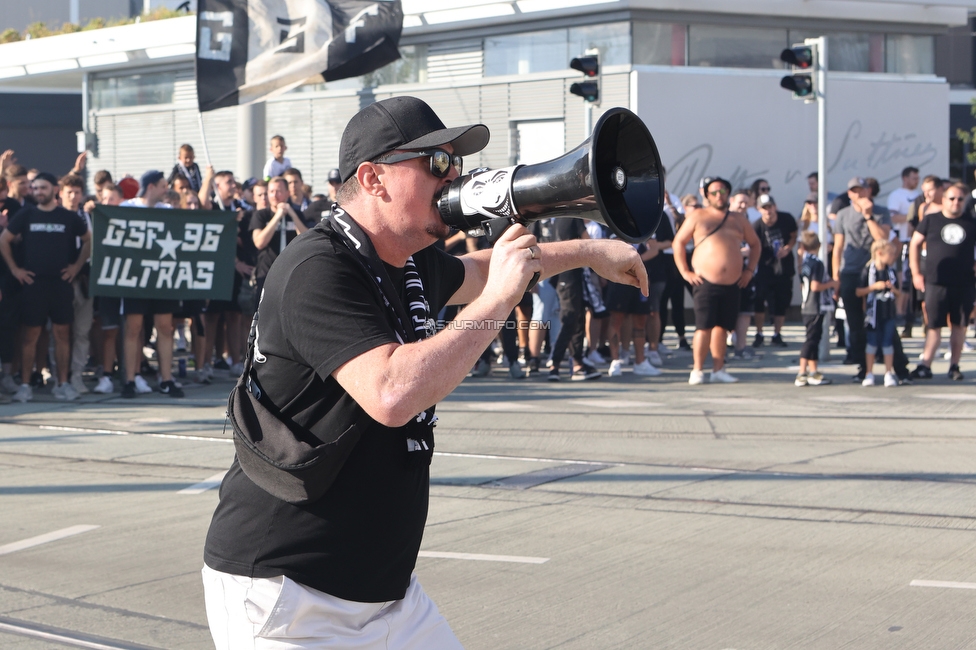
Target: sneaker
x: 534, y: 364
x: 802, y: 379
x: 553, y: 375
x: 890, y: 380
x: 683, y: 345
x: 859, y: 377
x: 616, y: 368
x: 906, y: 333
x: 921, y: 372
x: 208, y: 372
x: 515, y: 370
x: 954, y: 373
x: 129, y: 390
x: 905, y: 381
x: 170, y: 388
x: 645, y: 369
x: 65, y: 392
x: 105, y: 385
x: 9, y: 385
x: 585, y: 372
x: 201, y: 377
x: 868, y: 380
x: 625, y: 358
x: 481, y: 369
x: 221, y: 364
x: 696, y: 377
x: 654, y: 357
x: 721, y: 377
x: 758, y: 341
x: 778, y: 341
x: 817, y: 379
x: 24, y: 394
x: 78, y: 384
x: 967, y: 346
x: 594, y: 358
x: 141, y: 386
x: 745, y: 354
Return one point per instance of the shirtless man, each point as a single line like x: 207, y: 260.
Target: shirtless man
x: 718, y: 276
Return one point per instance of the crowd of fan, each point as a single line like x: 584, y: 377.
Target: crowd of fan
x: 45, y: 304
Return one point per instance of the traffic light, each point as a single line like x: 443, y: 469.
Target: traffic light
x: 803, y: 64
x: 589, y: 65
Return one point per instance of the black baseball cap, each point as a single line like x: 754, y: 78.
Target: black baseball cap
x: 708, y: 180
x: 151, y: 177
x: 402, y: 123
x: 334, y: 176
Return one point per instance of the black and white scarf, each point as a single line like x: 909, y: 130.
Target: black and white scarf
x: 871, y: 307
x: 191, y: 174
x: 411, y: 324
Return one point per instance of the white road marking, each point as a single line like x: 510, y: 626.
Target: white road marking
x: 497, y: 406
x: 65, y: 637
x: 942, y: 584
x: 727, y: 400
x: 45, y: 538
x: 206, y: 484
x: 849, y: 399
x: 485, y: 558
x: 612, y: 403
x: 948, y: 396
x: 114, y: 432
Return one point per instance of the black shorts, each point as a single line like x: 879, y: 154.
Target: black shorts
x: 775, y: 291
x: 47, y: 298
x: 147, y: 307
x: 952, y: 303
x: 220, y: 306
x: 623, y: 298
x: 190, y: 308
x: 747, y: 298
x: 716, y: 305
x: 109, y: 311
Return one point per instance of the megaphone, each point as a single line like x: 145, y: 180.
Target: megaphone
x: 614, y: 177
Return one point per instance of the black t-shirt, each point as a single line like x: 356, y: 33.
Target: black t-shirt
x: 267, y: 255
x: 48, y: 239
x: 360, y: 541
x: 839, y: 203
x: 657, y: 266
x: 317, y: 211
x: 949, y: 245
x: 773, y: 238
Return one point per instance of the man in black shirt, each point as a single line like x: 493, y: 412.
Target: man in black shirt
x: 774, y: 278
x: 51, y: 262
x: 949, y: 281
x: 268, y: 225
x: 345, y: 341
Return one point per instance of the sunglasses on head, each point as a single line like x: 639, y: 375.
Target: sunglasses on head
x: 440, y: 161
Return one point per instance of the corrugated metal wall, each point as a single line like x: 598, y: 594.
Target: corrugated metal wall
x: 134, y: 140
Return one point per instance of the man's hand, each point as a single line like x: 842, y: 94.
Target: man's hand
x: 514, y: 259
x: 7, y: 159
x: 881, y: 285
x: 745, y: 278
x: 618, y: 262
x: 864, y: 205
x: 918, y: 281
x: 90, y: 206
x: 69, y: 272
x: 243, y: 268
x: 693, y: 278
x: 783, y: 252
x: 80, y: 162
x: 23, y: 275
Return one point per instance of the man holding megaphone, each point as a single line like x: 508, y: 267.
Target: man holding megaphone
x: 345, y: 345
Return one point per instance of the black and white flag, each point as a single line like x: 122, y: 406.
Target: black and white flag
x: 250, y: 50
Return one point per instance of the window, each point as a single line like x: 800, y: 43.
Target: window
x: 659, y: 44
x: 539, y: 141
x: 553, y: 49
x: 525, y: 53
x: 613, y: 41
x: 735, y: 47
x: 133, y: 90
x: 909, y: 54
x: 411, y: 67
x: 849, y: 51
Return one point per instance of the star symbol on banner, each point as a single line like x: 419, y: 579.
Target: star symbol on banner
x: 168, y: 245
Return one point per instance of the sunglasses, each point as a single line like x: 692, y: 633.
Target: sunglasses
x: 717, y: 192
x: 955, y: 198
x: 764, y: 190
x: 440, y: 160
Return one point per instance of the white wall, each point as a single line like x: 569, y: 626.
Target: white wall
x: 739, y: 124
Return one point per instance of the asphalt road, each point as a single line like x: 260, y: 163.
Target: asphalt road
x: 619, y: 513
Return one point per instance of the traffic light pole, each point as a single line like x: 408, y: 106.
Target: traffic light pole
x: 587, y: 119
x: 822, y: 207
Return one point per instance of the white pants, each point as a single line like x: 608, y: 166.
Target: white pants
x: 279, y: 613
x: 80, y: 330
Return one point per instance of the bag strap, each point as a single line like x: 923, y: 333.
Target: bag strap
x: 715, y: 229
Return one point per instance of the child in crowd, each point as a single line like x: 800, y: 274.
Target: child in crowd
x: 818, y: 301
x: 277, y: 165
x: 879, y: 288
x: 186, y: 168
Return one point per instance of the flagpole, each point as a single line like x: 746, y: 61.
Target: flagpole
x: 206, y: 154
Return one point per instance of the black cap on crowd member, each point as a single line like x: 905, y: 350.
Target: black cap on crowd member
x: 708, y: 180
x: 151, y: 177
x: 46, y: 176
x: 402, y: 123
x: 249, y: 183
x: 335, y: 176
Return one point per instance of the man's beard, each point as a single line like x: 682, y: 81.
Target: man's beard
x: 440, y: 231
